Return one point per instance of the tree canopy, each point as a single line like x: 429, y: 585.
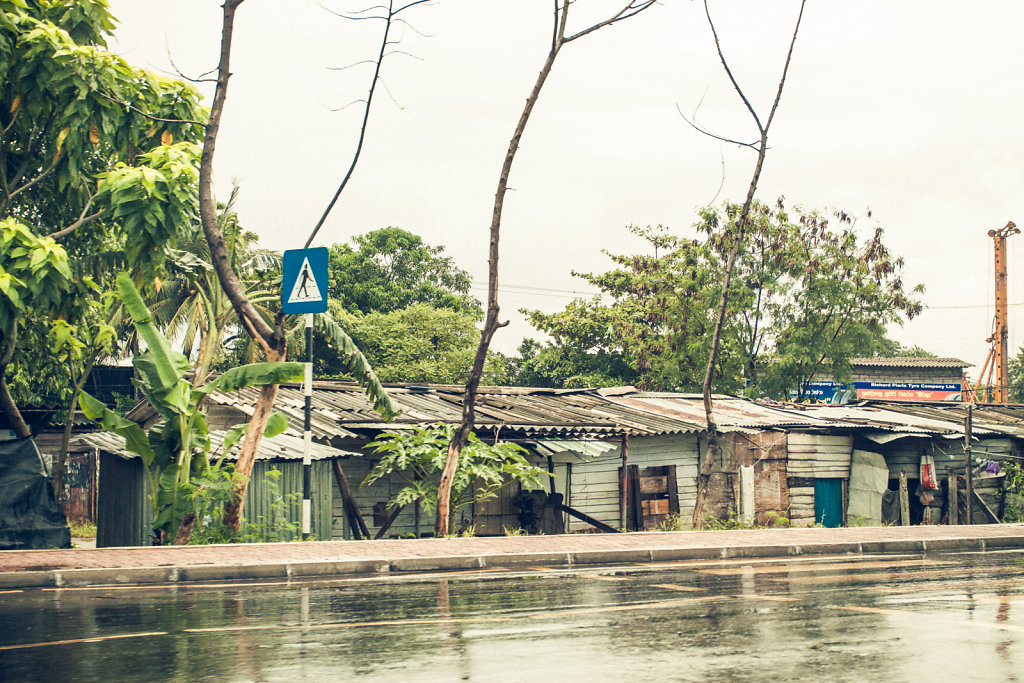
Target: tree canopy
x: 390, y: 269
x: 98, y: 169
x: 808, y: 294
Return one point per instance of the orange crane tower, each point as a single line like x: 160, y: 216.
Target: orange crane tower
x: 997, y: 355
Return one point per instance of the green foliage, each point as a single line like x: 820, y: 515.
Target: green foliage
x: 1016, y: 377
x: 34, y: 273
x: 807, y: 295
x: 404, y: 304
x: 390, y: 269
x: 1014, y: 485
x: 583, y: 352
x: 417, y: 457
x: 99, y: 171
x: 214, y: 489
x: 418, y: 344
x: 174, y: 450
x: 276, y: 526
x: 219, y: 488
x: 674, y: 522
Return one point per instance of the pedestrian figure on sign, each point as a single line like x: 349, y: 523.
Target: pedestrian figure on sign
x: 302, y: 285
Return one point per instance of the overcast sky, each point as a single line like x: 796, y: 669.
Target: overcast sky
x: 909, y: 109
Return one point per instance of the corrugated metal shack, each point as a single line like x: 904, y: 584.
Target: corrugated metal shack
x: 564, y: 430
x: 124, y: 515
x: 892, y: 440
x: 811, y: 464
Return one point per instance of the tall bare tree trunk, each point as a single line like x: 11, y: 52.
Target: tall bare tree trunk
x: 711, y: 455
x: 491, y: 324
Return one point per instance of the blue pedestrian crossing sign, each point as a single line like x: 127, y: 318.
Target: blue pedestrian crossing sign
x: 304, y: 281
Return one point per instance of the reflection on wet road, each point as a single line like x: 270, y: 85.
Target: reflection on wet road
x: 897, y: 618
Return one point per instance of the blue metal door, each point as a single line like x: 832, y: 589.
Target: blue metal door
x: 828, y: 502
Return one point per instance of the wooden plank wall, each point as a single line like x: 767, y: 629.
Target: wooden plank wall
x: 813, y: 456
x: 595, y: 482
x: 382, y: 490
x: 823, y: 456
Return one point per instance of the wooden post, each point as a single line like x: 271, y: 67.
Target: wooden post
x: 551, y: 479
x: 952, y: 499
x: 746, y: 494
x: 904, y: 501
x: 355, y: 520
x: 967, y: 459
x: 623, y: 482
x: 572, y: 512
x: 392, y: 516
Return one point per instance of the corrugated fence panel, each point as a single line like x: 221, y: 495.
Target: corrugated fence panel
x: 259, y: 502
x: 124, y: 516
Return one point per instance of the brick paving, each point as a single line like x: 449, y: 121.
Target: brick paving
x: 702, y: 543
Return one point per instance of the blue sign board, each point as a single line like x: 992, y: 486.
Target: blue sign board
x: 304, y: 281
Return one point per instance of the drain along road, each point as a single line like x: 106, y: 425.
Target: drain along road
x: 937, y: 616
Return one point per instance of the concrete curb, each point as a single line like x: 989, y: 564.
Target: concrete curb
x: 378, y: 566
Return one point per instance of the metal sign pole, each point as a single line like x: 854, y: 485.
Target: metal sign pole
x: 304, y: 292
x: 307, y: 435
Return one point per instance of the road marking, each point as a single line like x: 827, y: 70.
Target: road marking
x: 869, y: 610
x: 771, y: 598
x: 348, y: 624
x: 97, y: 639
x: 951, y: 573
x: 11, y: 591
x: 665, y: 604
x: 677, y: 587
x: 817, y: 567
x: 604, y: 577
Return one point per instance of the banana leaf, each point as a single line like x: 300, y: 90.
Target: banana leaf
x: 252, y: 375
x: 355, y: 363
x: 162, y: 367
x: 134, y: 436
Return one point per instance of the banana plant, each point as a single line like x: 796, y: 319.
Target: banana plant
x: 175, y: 449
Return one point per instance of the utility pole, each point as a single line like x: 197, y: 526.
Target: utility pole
x: 999, y: 335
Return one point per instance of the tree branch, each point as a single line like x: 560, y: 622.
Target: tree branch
x: 219, y: 254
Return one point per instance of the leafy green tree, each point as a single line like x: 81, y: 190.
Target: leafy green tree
x: 583, y: 351
x: 890, y: 348
x: 417, y: 458
x: 1016, y: 377
x: 806, y: 296
x: 418, y: 343
x: 97, y: 163
x: 390, y: 269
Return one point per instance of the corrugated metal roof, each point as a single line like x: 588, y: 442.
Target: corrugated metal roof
x: 731, y: 413
x: 1005, y: 419
x: 280, y: 447
x: 341, y: 410
x: 591, y: 448
x: 910, y: 362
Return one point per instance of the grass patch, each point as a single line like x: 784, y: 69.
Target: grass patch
x: 83, y: 530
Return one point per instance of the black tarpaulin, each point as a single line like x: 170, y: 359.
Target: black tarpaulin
x: 30, y: 517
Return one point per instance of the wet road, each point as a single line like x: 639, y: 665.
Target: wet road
x: 894, y: 618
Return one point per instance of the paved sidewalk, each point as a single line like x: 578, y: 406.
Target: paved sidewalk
x: 149, y: 565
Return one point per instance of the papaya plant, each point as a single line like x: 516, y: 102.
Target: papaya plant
x: 174, y: 451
